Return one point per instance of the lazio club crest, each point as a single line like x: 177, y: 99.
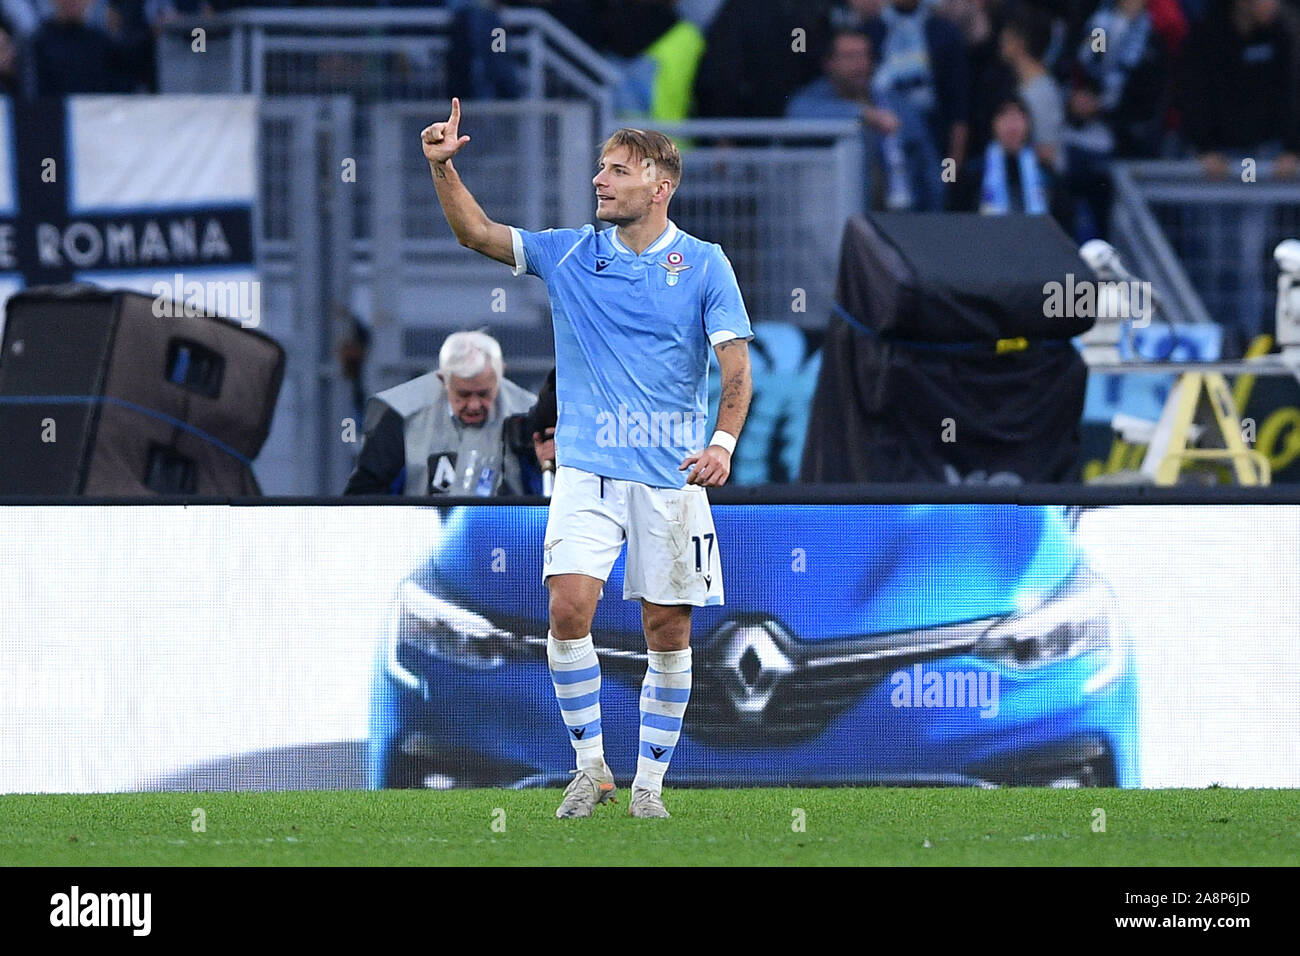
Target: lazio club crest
x: 673, y: 264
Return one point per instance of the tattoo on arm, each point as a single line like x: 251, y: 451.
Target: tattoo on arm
x: 439, y: 170
x: 735, y: 394
x: 733, y: 404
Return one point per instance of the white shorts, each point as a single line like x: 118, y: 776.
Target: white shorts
x: 672, y: 549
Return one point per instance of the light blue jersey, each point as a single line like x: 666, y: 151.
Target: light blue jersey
x: 632, y: 341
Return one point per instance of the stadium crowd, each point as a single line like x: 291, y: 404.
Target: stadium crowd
x: 1023, y: 103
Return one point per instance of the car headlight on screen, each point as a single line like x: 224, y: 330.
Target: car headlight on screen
x: 1077, y: 619
x: 422, y: 625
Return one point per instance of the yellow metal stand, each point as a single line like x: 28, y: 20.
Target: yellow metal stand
x: 1202, y: 398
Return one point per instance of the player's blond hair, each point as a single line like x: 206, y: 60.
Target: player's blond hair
x: 653, y: 150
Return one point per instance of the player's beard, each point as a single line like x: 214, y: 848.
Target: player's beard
x: 622, y: 215
x: 613, y: 217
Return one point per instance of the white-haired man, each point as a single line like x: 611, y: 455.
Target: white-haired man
x: 442, y: 433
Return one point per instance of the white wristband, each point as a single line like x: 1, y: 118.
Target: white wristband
x: 725, y: 439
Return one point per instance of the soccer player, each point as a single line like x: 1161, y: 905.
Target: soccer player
x: 635, y: 309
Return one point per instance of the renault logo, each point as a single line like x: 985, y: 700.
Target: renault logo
x: 748, y: 659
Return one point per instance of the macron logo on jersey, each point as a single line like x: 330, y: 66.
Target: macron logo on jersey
x: 602, y: 265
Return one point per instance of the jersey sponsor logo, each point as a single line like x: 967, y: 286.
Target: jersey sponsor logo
x: 442, y: 473
x: 675, y: 266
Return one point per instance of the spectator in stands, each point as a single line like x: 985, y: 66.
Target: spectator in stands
x: 1169, y: 20
x: 129, y: 26
x: 443, y: 433
x: 587, y: 19
x: 923, y: 63
x: 159, y: 13
x: 901, y: 162
x: 532, y: 437
x: 992, y: 80
x: 475, y: 66
x: 1088, y: 146
x: 9, y: 85
x: 28, y: 15
x: 23, y: 17
x: 1240, y: 104
x: 1024, y: 43
x: 659, y: 54
x: 70, y: 56
x: 855, y: 14
x: 1009, y: 177
x: 1125, y: 56
x: 758, y: 53
x: 1239, y: 94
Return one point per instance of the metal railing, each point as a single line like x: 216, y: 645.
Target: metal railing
x: 372, y: 54
x: 529, y: 165
x: 1206, y: 244
x: 304, y: 265
x: 1139, y: 237
x: 775, y: 194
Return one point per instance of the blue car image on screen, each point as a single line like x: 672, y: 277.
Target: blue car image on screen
x: 859, y: 644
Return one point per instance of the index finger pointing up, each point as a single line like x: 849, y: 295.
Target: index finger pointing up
x: 454, y: 119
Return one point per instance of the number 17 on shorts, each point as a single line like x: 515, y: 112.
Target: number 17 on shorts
x: 690, y: 572
x: 672, y: 548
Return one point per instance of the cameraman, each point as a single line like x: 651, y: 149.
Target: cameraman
x: 531, y: 437
x: 445, y: 432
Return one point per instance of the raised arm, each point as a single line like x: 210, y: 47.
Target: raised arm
x: 473, y: 229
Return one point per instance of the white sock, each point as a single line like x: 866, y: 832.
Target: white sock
x: 575, y: 674
x: 664, y: 694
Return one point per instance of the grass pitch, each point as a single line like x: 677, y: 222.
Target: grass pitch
x: 872, y: 826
